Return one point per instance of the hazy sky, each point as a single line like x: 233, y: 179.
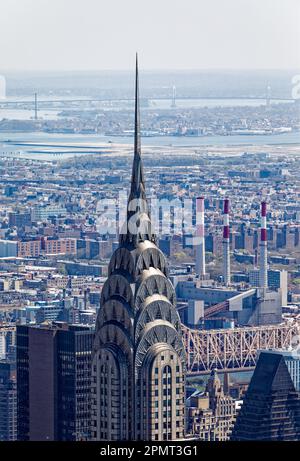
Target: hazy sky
x: 168, y: 34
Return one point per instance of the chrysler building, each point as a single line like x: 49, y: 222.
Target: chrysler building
x: 138, y: 382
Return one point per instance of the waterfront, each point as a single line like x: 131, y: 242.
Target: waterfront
x: 46, y: 145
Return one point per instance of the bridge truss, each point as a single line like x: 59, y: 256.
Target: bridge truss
x: 234, y: 349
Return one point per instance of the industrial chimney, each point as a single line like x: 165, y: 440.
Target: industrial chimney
x: 200, y: 238
x: 226, y: 244
x: 263, y: 271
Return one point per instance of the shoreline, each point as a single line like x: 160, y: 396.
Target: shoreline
x: 51, y: 146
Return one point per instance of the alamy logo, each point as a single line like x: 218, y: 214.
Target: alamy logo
x: 2, y: 87
x: 296, y: 87
x: 167, y: 216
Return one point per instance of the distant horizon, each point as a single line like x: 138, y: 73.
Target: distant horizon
x: 145, y: 70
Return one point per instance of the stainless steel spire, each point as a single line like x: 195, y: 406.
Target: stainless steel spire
x: 137, y: 179
x: 138, y: 226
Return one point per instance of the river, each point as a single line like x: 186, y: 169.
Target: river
x: 45, y: 145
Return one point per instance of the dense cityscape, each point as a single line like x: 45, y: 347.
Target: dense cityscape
x: 61, y: 224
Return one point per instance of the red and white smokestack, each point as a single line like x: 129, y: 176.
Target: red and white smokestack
x: 200, y: 238
x: 226, y: 243
x: 263, y: 271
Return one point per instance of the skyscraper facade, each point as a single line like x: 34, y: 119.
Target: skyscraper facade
x: 211, y: 414
x: 54, y: 382
x: 271, y: 408
x: 8, y: 402
x: 138, y: 368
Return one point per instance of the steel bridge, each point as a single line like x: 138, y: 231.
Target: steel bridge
x: 234, y: 349
x: 230, y: 349
x: 45, y: 102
